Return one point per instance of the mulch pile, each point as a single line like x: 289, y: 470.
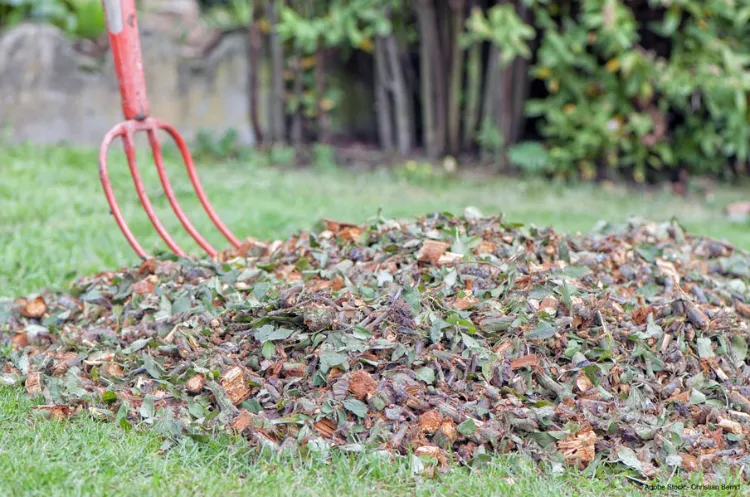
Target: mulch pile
x: 451, y: 336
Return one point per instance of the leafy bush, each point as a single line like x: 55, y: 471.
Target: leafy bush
x: 80, y: 18
x: 530, y: 157
x: 208, y: 146
x: 643, y: 92
x: 643, y: 89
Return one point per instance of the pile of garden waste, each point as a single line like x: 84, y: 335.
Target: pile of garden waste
x: 447, y: 338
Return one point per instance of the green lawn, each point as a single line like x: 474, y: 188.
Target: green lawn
x: 55, y: 225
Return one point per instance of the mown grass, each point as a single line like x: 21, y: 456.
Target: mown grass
x: 55, y: 225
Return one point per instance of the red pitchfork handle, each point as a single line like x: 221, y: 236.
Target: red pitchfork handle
x: 122, y: 28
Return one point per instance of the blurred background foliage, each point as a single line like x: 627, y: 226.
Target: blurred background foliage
x: 640, y: 90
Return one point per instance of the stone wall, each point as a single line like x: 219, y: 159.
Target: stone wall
x: 51, y: 92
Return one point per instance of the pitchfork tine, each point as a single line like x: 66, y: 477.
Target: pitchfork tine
x: 187, y: 158
x: 141, y: 190
x: 122, y: 28
x: 167, y: 186
x: 107, y: 184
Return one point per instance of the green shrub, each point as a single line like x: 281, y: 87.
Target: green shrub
x: 530, y: 157
x: 643, y: 92
x: 79, y: 18
x: 324, y: 158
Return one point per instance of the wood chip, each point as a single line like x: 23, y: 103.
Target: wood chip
x: 33, y: 383
x: 742, y: 309
x: 448, y: 429
x: 143, y: 287
x: 243, y: 420
x: 485, y: 247
x: 361, y: 384
x: 730, y: 426
x: 34, y: 308
x: 113, y: 369
x: 195, y: 384
x: 431, y: 251
x: 579, y: 448
x: 58, y: 412
x: 325, y: 427
x: 20, y: 340
x: 350, y: 234
x: 430, y: 421
x: 236, y: 385
x: 549, y: 304
x: 690, y: 462
x: 449, y: 258
x: 583, y: 383
x: 525, y: 361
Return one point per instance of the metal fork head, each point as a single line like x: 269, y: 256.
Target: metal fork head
x: 149, y: 125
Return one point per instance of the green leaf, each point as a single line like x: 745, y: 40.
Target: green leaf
x: 151, y: 366
x: 195, y: 409
x: 357, y: 407
x: 109, y: 396
x: 330, y: 359
x: 122, y: 417
x: 543, y: 331
x: 697, y: 397
x: 627, y: 456
x: 147, y: 408
x: 426, y: 374
x: 739, y: 348
x: 467, y: 428
x: 136, y: 346
x: 704, y: 348
x: 181, y: 305
x: 268, y: 350
x: 457, y: 320
x: 269, y: 332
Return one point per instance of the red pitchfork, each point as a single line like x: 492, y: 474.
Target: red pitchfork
x: 122, y: 27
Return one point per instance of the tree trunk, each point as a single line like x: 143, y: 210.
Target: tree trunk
x: 278, y: 123
x: 505, y: 107
x: 254, y: 65
x: 297, y: 119
x: 383, y: 83
x: 320, y: 88
x: 520, y: 86
x: 520, y: 91
x: 400, y: 97
x: 473, y: 93
x: 489, y: 107
x: 428, y: 37
x: 457, y: 69
x: 440, y: 75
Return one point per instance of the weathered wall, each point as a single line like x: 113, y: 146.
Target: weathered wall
x: 50, y: 92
